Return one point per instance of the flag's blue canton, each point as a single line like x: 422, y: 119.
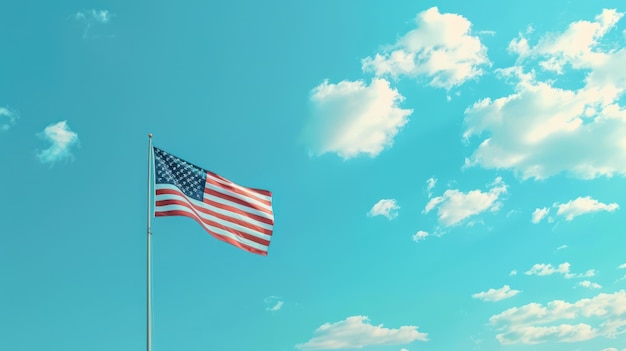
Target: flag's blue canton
x: 190, y: 179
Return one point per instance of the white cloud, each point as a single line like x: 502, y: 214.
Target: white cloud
x: 539, y: 214
x: 454, y: 206
x: 62, y: 140
x: 574, y: 208
x: 513, y: 272
x: 493, y: 295
x: 419, y: 236
x: 561, y: 247
x: 7, y: 118
x: 582, y: 205
x: 100, y: 16
x: 430, y: 185
x: 273, y: 303
x: 534, y: 323
x: 351, y: 118
x: 441, y: 49
x: 622, y: 266
x: 356, y: 332
x: 385, y: 207
x: 541, y: 130
x: 575, y: 46
x: 542, y: 269
x: 590, y: 285
x: 92, y: 17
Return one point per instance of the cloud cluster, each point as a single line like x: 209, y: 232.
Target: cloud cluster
x: 352, y: 118
x: 559, y: 321
x: 62, y: 139
x: 454, y: 206
x: 542, y: 130
x: 356, y: 332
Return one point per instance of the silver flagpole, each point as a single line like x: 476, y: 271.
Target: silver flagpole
x: 149, y: 234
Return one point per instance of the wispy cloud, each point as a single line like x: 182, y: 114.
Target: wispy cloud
x: 430, y: 185
x: 539, y: 214
x: 62, y: 139
x: 351, y: 118
x: 440, y: 49
x: 493, y: 295
x: 454, y: 206
x: 91, y: 18
x: 535, y: 323
x: 622, y: 266
x: 542, y: 269
x: 273, y: 303
x: 385, y: 207
x: 513, y: 272
x: 356, y: 332
x: 7, y: 118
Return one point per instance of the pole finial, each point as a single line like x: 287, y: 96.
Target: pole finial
x: 150, y: 135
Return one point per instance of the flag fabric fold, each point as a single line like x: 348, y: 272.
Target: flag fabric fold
x: 238, y: 215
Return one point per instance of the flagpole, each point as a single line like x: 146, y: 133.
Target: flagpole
x: 149, y: 234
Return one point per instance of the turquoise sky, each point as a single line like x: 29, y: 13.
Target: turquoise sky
x: 446, y: 175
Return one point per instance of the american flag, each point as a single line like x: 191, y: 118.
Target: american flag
x: 235, y: 214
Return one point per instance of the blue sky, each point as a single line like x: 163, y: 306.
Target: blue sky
x: 445, y: 175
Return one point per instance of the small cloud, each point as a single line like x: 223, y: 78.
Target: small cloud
x: 91, y: 18
x: 589, y: 285
x: 513, y: 272
x: 455, y: 206
x: 430, y: 184
x: 385, y: 207
x: 493, y: 295
x: 419, y: 236
x: 542, y: 269
x: 7, y: 118
x: 583, y: 205
x: 539, y: 214
x: 562, y: 247
x: 622, y: 266
x: 351, y: 118
x: 356, y: 332
x: 273, y: 303
x: 62, y: 140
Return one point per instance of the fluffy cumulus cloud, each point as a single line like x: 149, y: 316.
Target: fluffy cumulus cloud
x: 454, y: 206
x: 7, y: 118
x: 603, y: 315
x: 493, y: 295
x: 541, y: 130
x: 574, y: 208
x: 440, y: 49
x: 273, y: 303
x: 356, y: 332
x: 351, y: 118
x: 62, y: 140
x: 542, y: 269
x: 385, y: 207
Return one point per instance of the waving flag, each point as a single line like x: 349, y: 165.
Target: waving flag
x: 235, y: 214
